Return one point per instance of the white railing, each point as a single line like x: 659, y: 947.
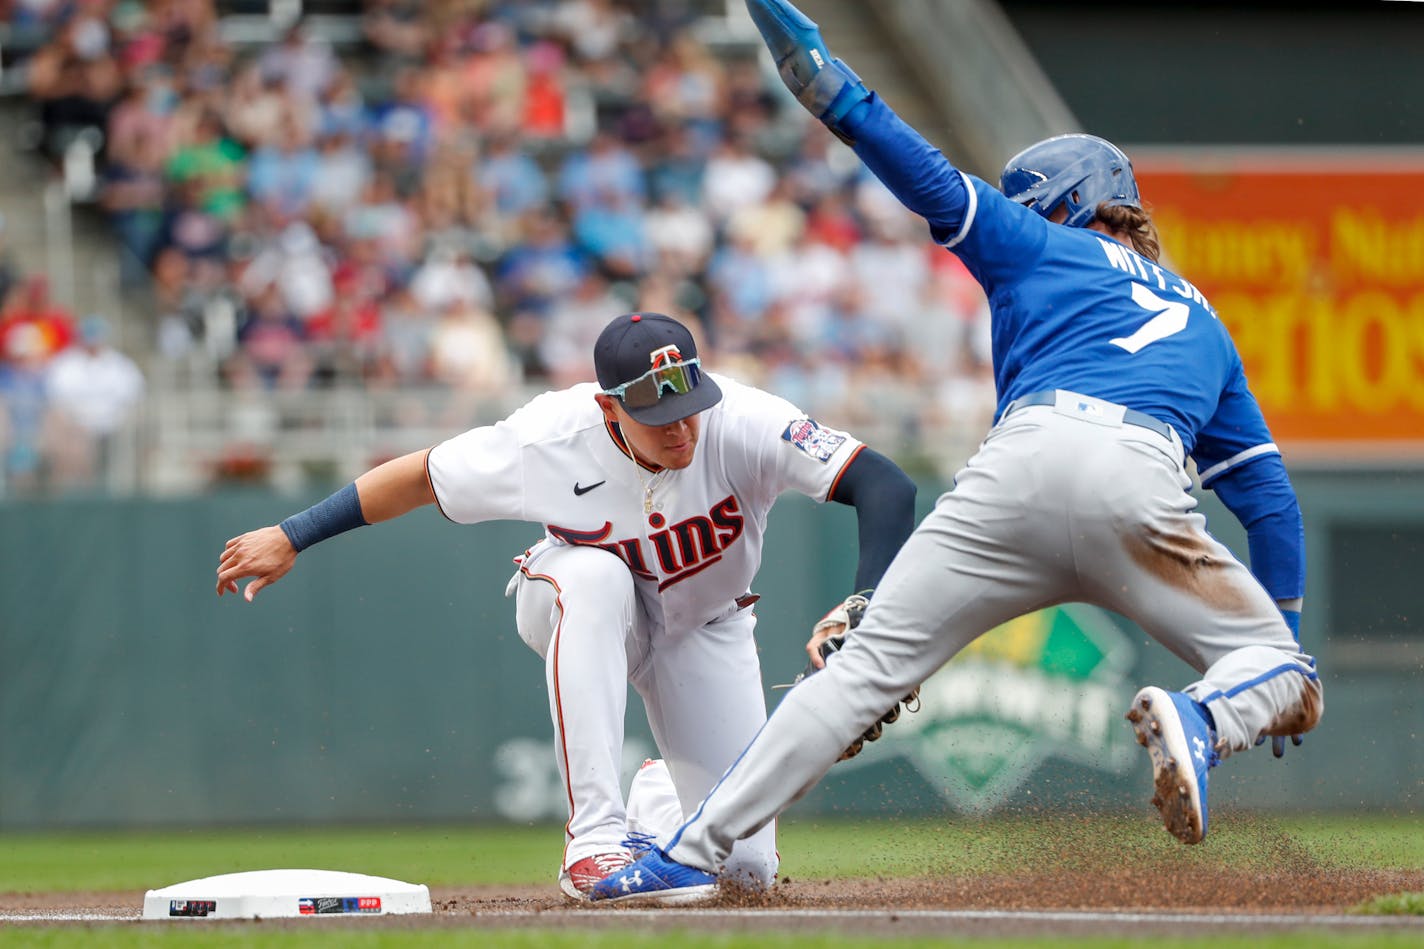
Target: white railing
x: 195, y: 439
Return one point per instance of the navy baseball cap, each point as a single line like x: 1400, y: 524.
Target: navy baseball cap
x: 649, y: 362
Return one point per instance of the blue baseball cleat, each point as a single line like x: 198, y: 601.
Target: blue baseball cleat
x: 827, y: 87
x: 656, y: 878
x: 1182, y: 744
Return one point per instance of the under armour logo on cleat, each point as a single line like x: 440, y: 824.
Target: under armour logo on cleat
x: 631, y: 881
x: 1199, y: 749
x: 580, y: 491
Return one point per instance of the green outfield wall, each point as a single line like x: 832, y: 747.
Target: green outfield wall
x: 383, y: 679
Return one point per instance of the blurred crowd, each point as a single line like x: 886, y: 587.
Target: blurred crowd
x: 65, y: 392
x: 464, y: 197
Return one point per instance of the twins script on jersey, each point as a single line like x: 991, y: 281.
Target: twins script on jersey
x: 557, y: 462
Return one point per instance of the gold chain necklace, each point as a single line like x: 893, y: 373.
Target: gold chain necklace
x: 650, y: 485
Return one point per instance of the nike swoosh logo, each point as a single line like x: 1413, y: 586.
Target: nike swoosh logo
x: 582, y: 491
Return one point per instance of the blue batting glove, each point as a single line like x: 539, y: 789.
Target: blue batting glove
x: 826, y: 87
x: 1278, y: 743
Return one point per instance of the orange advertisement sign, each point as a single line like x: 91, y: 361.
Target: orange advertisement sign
x: 1316, y: 264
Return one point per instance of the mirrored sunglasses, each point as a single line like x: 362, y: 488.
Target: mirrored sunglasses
x: 644, y: 391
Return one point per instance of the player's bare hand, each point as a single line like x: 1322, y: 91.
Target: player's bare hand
x: 819, y: 635
x: 265, y: 554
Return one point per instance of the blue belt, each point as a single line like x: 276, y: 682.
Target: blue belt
x: 1131, y: 417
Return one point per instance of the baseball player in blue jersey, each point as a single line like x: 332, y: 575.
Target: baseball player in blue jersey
x: 1111, y: 371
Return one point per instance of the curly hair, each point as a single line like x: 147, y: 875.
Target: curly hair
x: 1137, y: 224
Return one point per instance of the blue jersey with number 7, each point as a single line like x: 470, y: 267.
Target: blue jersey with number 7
x: 1074, y: 309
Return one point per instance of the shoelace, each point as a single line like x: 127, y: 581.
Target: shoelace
x: 639, y: 843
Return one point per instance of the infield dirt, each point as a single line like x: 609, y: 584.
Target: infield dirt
x: 1063, y: 865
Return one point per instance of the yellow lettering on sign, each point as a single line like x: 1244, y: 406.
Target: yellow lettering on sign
x: 1324, y: 300
x: 1233, y: 251
x: 1360, y: 352
x: 1322, y: 383
x: 1262, y: 326
x: 1414, y: 314
x: 1365, y: 246
x: 1366, y: 317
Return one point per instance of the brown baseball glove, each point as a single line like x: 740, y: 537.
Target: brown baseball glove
x: 847, y: 615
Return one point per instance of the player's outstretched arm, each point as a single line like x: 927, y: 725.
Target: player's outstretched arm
x: 1261, y: 497
x: 915, y: 171
x: 266, y: 554
x: 825, y: 86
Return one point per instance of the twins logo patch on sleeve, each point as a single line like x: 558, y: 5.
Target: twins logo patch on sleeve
x: 820, y: 443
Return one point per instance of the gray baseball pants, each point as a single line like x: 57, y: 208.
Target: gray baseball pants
x: 1052, y: 508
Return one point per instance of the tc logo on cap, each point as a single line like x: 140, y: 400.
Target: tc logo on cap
x: 665, y: 356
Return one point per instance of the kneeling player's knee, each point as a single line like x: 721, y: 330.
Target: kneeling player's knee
x: 594, y: 573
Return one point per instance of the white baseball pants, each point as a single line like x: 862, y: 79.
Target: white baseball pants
x: 578, y: 608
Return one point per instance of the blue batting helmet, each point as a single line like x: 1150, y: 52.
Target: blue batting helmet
x: 1079, y: 171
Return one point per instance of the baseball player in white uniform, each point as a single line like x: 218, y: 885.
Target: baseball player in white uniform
x: 653, y: 488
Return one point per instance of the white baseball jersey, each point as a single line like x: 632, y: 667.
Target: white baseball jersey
x: 693, y: 535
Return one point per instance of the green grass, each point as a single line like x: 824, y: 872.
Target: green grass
x: 148, y: 859
x: 1394, y: 904
x: 474, y: 854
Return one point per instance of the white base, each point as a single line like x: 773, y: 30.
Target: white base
x: 269, y: 894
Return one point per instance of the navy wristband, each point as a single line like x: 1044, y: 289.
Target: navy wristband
x: 337, y: 514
